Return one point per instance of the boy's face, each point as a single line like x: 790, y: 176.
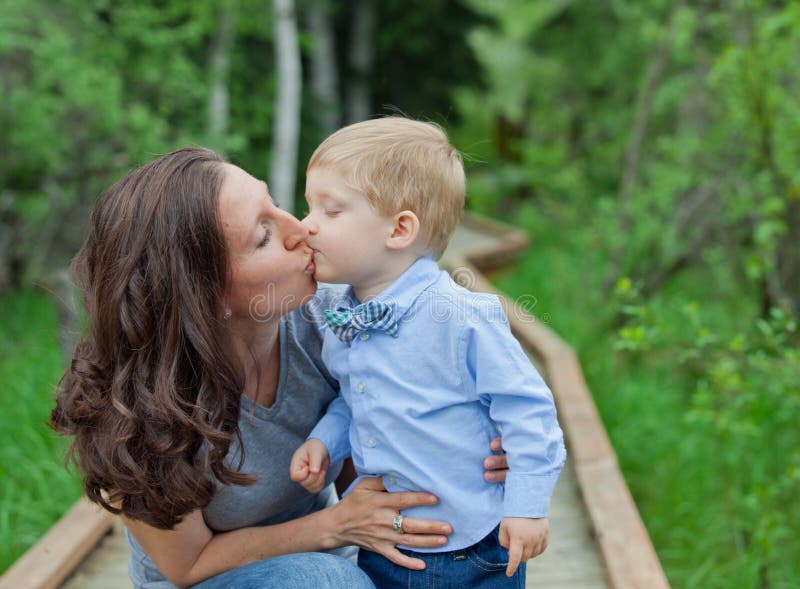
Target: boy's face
x: 348, y: 236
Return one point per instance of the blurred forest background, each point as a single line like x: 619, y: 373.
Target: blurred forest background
x: 649, y: 147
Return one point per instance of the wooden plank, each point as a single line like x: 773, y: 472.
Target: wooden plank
x: 484, y: 242
x: 620, y: 532
x: 54, y: 557
x: 107, y: 566
x: 572, y: 558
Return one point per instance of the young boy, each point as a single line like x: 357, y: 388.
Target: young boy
x: 429, y: 372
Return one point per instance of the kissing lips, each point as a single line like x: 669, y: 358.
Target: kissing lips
x: 310, y: 267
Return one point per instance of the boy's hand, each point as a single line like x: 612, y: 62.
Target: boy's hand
x: 524, y: 538
x: 308, y: 466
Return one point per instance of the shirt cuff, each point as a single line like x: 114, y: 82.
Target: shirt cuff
x: 338, y: 444
x: 528, y: 495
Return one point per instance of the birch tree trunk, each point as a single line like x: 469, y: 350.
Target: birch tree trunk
x: 361, y: 57
x: 219, y: 67
x: 324, y: 75
x: 286, y: 131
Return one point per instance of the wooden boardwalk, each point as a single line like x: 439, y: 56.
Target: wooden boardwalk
x: 590, y: 494
x: 571, y: 561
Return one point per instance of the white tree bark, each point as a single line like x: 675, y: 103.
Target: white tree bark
x: 362, y: 56
x: 324, y: 75
x: 286, y: 129
x: 219, y: 67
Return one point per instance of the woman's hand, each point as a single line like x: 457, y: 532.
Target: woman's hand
x: 496, y: 465
x: 365, y: 518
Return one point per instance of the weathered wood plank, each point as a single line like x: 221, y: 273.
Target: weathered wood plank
x: 571, y: 559
x: 52, y: 559
x: 107, y: 566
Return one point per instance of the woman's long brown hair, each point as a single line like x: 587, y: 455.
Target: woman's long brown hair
x: 150, y: 397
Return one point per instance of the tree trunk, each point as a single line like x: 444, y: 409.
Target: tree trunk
x: 361, y: 57
x: 219, y: 67
x: 286, y: 130
x: 324, y: 75
x: 788, y: 257
x: 7, y: 239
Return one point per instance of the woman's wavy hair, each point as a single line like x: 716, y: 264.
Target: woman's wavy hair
x: 150, y: 397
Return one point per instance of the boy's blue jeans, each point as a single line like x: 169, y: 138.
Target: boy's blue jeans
x: 481, y: 566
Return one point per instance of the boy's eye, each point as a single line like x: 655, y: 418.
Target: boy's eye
x: 332, y: 213
x: 266, y: 239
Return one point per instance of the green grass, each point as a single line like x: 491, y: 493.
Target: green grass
x: 677, y: 473
x: 35, y: 488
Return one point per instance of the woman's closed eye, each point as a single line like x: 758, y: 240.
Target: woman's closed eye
x: 266, y: 238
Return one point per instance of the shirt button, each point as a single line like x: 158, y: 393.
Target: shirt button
x: 364, y: 336
x: 391, y: 479
x: 371, y: 442
x: 361, y: 387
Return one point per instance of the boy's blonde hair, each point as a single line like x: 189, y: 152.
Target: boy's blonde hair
x: 401, y: 164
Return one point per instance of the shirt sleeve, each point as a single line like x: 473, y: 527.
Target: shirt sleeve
x: 520, y: 403
x: 334, y: 430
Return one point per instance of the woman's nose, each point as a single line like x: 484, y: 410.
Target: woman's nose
x: 309, y: 224
x: 295, y: 232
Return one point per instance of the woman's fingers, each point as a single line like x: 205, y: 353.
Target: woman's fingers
x: 401, y: 559
x: 495, y: 476
x: 421, y: 540
x: 413, y: 525
x: 496, y: 445
x: 496, y: 465
x: 371, y: 484
x: 405, y: 499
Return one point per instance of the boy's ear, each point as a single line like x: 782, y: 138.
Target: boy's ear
x: 404, y: 230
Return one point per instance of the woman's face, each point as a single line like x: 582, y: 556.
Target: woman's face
x: 272, y: 267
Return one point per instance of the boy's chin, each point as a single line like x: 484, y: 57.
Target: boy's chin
x: 322, y: 273
x: 322, y: 276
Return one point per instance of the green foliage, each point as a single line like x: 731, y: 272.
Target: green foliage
x: 745, y: 401
x: 90, y: 90
x: 35, y: 488
x: 649, y: 147
x: 656, y: 144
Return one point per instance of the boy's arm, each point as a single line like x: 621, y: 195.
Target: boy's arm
x: 333, y: 430
x: 520, y: 403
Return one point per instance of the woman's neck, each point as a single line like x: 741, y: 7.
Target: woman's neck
x: 258, y: 353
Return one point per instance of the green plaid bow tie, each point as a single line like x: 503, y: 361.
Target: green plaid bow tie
x: 346, y: 322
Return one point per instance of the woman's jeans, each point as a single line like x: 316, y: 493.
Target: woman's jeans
x: 481, y: 566
x: 307, y: 570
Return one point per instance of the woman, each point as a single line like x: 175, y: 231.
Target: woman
x: 197, y: 381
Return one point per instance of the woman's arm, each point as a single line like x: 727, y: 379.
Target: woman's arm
x: 191, y: 552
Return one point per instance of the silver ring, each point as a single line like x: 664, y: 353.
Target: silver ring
x: 397, y: 523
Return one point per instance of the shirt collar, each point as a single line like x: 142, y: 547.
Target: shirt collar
x: 405, y: 290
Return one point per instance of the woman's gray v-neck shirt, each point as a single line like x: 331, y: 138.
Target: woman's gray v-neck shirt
x: 270, y: 436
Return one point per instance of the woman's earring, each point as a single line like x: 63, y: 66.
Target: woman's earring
x: 227, y: 314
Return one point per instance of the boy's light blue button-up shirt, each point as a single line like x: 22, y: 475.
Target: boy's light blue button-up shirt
x: 421, y: 408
